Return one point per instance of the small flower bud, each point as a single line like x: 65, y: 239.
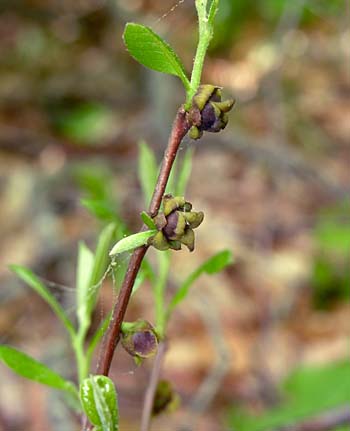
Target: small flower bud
x: 175, y: 224
x: 165, y: 399
x: 139, y: 339
x: 208, y: 112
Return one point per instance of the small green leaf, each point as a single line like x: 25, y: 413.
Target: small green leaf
x: 100, y: 209
x: 146, y: 272
x: 86, y: 123
x: 217, y: 262
x: 84, y: 271
x: 147, y: 170
x: 31, y: 369
x: 99, y: 400
x: 184, y: 174
x: 33, y: 281
x: 131, y: 242
x: 212, y: 12
x: 306, y: 393
x: 152, y: 51
x: 100, y: 263
x: 333, y: 234
x: 214, y: 264
x: 159, y: 288
x: 147, y: 220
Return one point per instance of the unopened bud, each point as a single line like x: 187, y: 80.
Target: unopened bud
x: 208, y: 112
x: 175, y: 224
x: 139, y: 339
x: 165, y: 398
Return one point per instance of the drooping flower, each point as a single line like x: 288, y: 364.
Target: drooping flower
x: 139, y: 339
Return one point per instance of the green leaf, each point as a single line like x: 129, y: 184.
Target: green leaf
x: 101, y: 262
x: 217, y: 263
x: 184, y: 174
x: 140, y: 278
x: 147, y: 170
x: 334, y: 235
x: 212, y: 12
x: 307, y: 392
x: 32, y: 281
x: 99, y: 400
x: 95, y: 179
x: 148, y: 220
x: 152, y: 51
x: 214, y: 264
x: 132, y: 241
x: 100, y: 209
x: 84, y: 272
x: 87, y: 123
x: 31, y: 369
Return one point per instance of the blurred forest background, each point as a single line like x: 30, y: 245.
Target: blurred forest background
x: 270, y: 335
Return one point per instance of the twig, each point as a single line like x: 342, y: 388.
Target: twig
x: 212, y: 382
x: 111, y: 338
x: 325, y: 422
x: 152, y: 386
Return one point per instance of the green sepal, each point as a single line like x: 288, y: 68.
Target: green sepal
x: 171, y: 203
x: 188, y: 239
x: 148, y: 221
x: 224, y: 119
x: 175, y: 245
x: 203, y: 94
x: 216, y: 109
x: 138, y: 360
x: 187, y: 207
x: 224, y: 106
x: 195, y: 133
x: 194, y: 219
x: 159, y: 241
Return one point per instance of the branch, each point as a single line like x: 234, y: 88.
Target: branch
x: 111, y: 338
x: 325, y: 422
x: 152, y: 386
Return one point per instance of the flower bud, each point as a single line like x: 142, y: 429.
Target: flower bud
x: 165, y: 399
x: 208, y: 112
x: 175, y: 224
x: 139, y: 339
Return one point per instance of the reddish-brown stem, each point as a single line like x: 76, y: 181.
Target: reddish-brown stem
x: 111, y: 338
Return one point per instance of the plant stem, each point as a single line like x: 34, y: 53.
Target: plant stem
x: 111, y: 338
x: 159, y: 287
x: 78, y: 345
x: 151, y: 388
x: 205, y: 34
